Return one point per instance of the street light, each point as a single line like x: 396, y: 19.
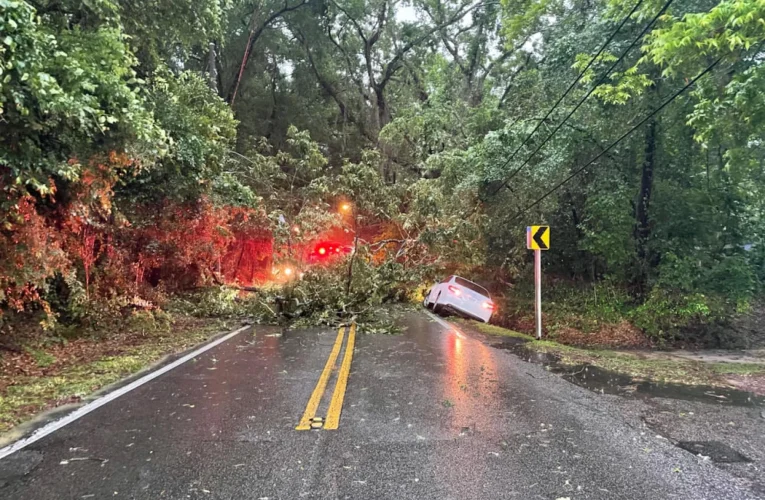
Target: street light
x: 345, y: 207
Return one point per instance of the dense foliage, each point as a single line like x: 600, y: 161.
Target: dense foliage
x: 153, y: 148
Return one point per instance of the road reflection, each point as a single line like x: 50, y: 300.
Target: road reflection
x: 469, y: 383
x: 472, y: 402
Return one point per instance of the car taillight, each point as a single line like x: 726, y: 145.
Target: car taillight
x: 322, y: 251
x: 489, y: 306
x: 455, y: 290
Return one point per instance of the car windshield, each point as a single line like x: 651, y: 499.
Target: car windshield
x: 471, y: 286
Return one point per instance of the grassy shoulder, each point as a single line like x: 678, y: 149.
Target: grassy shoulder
x: 662, y: 370
x: 46, y: 375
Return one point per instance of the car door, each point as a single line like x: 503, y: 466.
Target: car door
x: 440, y: 289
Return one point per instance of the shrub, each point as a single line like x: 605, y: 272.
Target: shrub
x: 666, y: 313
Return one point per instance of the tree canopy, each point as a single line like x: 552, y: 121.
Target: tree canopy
x: 144, y: 140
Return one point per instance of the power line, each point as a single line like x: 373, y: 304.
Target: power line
x: 617, y: 141
x: 570, y: 87
x: 589, y: 93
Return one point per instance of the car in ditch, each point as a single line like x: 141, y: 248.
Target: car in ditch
x: 462, y: 297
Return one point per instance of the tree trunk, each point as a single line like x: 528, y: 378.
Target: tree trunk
x: 274, y: 69
x: 212, y: 67
x: 383, y: 113
x: 642, y: 231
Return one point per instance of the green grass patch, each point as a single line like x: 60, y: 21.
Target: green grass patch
x: 661, y: 370
x: 42, y: 358
x: 493, y: 329
x: 739, y: 368
x: 26, y: 395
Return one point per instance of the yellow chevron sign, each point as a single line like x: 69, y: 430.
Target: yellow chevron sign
x: 538, y: 237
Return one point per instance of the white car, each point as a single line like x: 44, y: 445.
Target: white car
x: 461, y: 296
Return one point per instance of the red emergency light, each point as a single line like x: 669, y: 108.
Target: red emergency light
x: 327, y: 250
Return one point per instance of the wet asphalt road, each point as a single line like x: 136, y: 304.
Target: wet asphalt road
x: 431, y: 414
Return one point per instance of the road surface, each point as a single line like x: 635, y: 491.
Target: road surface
x: 434, y: 413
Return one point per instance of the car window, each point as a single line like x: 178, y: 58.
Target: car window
x: 448, y: 280
x: 472, y: 286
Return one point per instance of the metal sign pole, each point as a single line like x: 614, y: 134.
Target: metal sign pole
x: 538, y: 239
x: 538, y: 290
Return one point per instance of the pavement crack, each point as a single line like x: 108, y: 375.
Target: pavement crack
x: 311, y: 479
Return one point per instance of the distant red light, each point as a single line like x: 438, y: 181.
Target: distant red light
x: 322, y: 251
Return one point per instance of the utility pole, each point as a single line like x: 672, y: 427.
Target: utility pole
x: 355, y: 246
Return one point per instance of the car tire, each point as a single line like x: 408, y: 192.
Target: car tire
x: 425, y: 300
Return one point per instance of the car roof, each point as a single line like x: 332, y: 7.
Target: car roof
x: 460, y: 277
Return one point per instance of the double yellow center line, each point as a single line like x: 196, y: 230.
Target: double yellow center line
x: 309, y: 419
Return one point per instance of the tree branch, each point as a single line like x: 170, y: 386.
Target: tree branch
x: 330, y: 89
x: 393, y: 65
x: 353, y: 21
x: 509, y: 85
x: 253, y: 38
x: 349, y: 64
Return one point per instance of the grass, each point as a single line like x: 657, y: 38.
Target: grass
x: 663, y: 370
x: 738, y: 368
x: 25, y: 396
x: 42, y: 358
x: 495, y: 330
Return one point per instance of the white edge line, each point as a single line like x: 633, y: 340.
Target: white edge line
x: 443, y: 323
x: 93, y: 405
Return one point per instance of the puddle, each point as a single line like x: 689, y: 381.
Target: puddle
x: 607, y: 382
x: 716, y: 451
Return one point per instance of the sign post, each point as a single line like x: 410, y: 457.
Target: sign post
x: 538, y: 290
x: 538, y: 239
